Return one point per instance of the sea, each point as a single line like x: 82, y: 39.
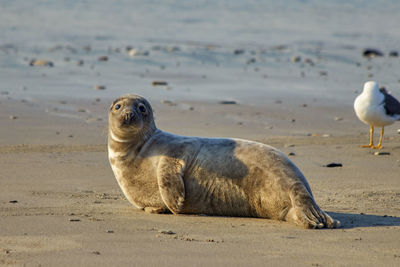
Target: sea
x: 249, y: 51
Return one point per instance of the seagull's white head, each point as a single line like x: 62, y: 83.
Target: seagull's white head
x: 371, y: 88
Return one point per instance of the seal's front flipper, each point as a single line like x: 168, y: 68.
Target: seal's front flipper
x: 156, y: 210
x: 170, y: 183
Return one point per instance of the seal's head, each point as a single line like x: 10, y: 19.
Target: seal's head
x: 130, y: 118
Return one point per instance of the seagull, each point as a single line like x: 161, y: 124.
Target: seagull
x: 376, y: 108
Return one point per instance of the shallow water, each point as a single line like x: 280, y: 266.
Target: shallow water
x: 191, y: 45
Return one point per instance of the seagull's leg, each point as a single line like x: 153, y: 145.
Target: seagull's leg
x: 371, y: 137
x: 379, y: 146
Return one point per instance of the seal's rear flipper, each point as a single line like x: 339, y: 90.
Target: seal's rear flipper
x: 170, y: 183
x: 305, y: 212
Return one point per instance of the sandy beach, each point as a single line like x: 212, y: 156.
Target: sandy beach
x: 288, y: 85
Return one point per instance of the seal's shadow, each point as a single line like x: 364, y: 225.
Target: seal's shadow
x: 349, y: 220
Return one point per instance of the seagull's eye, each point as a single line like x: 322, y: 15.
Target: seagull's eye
x: 117, y: 106
x: 142, y: 108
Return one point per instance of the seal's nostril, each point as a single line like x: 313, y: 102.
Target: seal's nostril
x: 129, y: 116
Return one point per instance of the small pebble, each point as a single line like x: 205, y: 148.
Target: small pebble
x: 370, y: 52
x: 227, y: 102
x: 103, y: 58
x: 87, y: 48
x: 81, y: 110
x: 295, y: 59
x: 309, y: 62
x: 333, y: 165
x: 292, y: 154
x: 398, y: 131
x: 238, y: 51
x: 393, y: 54
x: 381, y: 153
x: 251, y: 60
x: 13, y: 117
x: 323, y: 73
x: 13, y: 201
x: 71, y: 49
x: 338, y: 118
x: 176, y: 48
x: 159, y: 83
x: 74, y: 220
x: 134, y: 53
x: 166, y: 232
x: 40, y: 62
x: 99, y: 87
x: 168, y: 102
x: 110, y: 231
x: 96, y: 252
x: 80, y: 62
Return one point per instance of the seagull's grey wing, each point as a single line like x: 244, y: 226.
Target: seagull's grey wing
x: 391, y: 104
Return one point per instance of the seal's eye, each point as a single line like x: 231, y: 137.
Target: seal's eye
x: 117, y: 106
x: 142, y: 108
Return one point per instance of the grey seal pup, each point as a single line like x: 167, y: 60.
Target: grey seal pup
x: 160, y: 172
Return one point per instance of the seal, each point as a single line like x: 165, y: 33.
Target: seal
x: 161, y: 172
